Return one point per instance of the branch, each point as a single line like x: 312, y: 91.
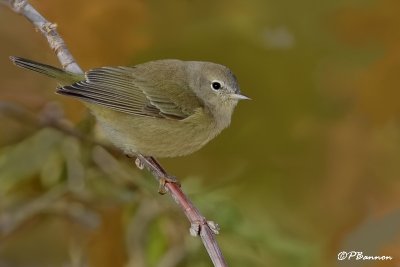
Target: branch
x: 52, y: 201
x: 49, y: 31
x: 199, y: 225
x: 47, y: 118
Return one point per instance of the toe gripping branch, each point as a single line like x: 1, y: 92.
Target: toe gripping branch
x: 158, y: 171
x: 199, y: 226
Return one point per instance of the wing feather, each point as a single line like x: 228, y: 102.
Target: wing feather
x: 134, y: 90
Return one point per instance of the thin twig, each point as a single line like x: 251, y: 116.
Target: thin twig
x: 11, y: 221
x: 49, y: 31
x: 26, y: 117
x: 199, y: 225
x: 50, y: 202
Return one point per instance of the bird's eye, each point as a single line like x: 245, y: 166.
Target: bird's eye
x: 216, y: 85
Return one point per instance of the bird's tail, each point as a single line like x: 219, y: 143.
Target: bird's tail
x: 63, y: 77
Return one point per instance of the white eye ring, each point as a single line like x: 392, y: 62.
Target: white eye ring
x: 216, y: 85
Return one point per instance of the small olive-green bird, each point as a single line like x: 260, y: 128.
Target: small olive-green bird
x: 163, y: 108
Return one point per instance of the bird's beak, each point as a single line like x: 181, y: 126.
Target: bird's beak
x: 239, y: 97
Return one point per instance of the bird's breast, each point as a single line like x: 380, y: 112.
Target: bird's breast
x: 159, y: 137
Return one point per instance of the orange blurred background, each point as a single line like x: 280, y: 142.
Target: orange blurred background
x: 309, y: 168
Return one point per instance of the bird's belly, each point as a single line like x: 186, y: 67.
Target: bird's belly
x: 158, y: 137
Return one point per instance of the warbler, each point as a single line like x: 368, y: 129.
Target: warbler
x: 162, y: 108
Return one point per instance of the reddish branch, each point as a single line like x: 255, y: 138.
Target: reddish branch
x: 199, y: 225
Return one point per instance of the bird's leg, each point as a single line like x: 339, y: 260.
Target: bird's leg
x: 163, y: 177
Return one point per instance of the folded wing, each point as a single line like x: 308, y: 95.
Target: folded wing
x: 136, y: 91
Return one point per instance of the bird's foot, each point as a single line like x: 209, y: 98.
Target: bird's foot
x: 139, y: 164
x: 157, y: 171
x: 163, y: 182
x: 195, y: 228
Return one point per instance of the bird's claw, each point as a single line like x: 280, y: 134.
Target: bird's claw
x: 139, y: 164
x: 164, y: 180
x: 195, y: 228
x: 214, y: 227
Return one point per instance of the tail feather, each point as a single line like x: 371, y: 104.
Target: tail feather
x: 64, y: 77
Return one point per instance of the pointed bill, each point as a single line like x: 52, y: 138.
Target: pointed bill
x: 239, y: 97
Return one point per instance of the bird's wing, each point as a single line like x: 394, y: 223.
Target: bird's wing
x: 128, y: 90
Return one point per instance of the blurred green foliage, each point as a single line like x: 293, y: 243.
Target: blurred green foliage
x: 307, y: 169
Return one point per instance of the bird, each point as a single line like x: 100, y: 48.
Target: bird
x: 161, y: 108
